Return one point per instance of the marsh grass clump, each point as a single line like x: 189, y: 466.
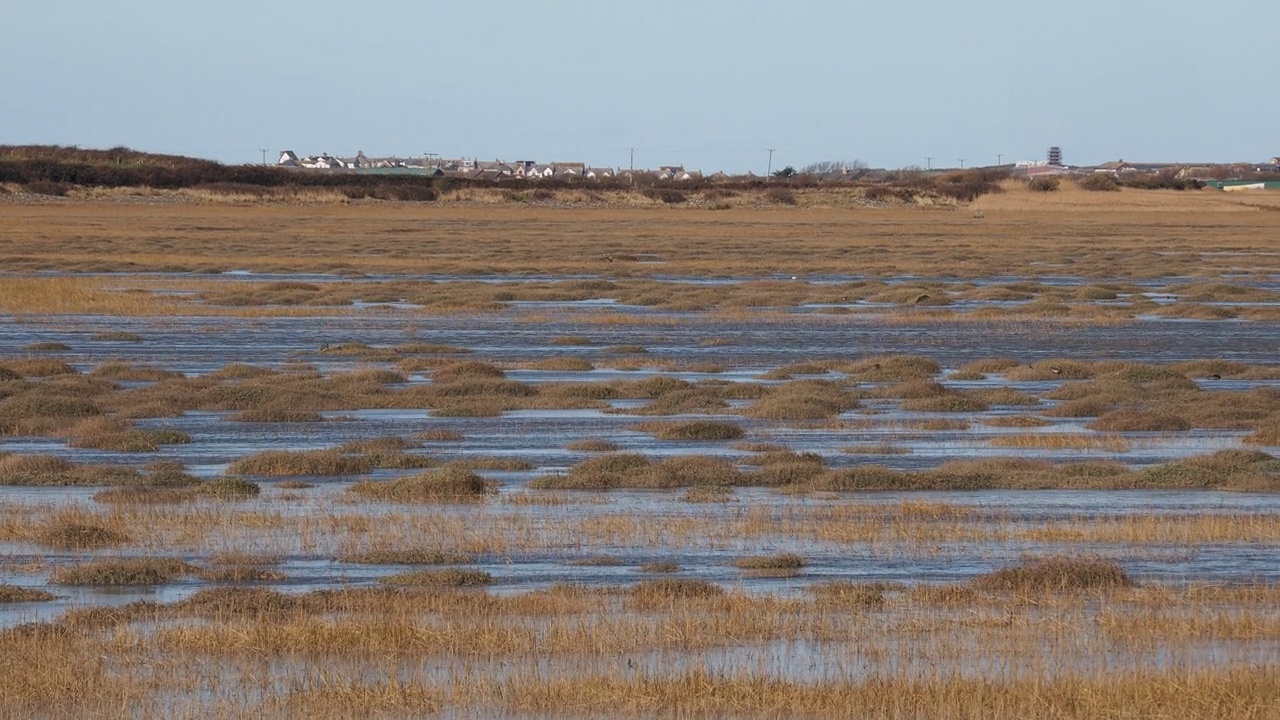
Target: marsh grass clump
x: 1057, y: 369
x: 276, y: 414
x: 1132, y: 420
x: 845, y: 593
x: 79, y: 536
x: 664, y: 591
x: 893, y: 368
x: 1248, y: 470
x: 488, y: 462
x: 46, y: 347
x: 276, y: 463
x: 50, y: 470
x: 1056, y: 574
x: 592, y: 445
x: 112, y: 434
x: 229, y: 488
x: 784, y: 468
x: 1006, y: 396
x: 241, y: 371
x: 862, y: 477
x: 403, y: 556
x: 450, y: 577
x: 38, y: 367
x: 571, y: 340
x: 693, y: 430
x: 19, y: 594
x: 1267, y: 435
x: 563, y: 364
x: 42, y: 411
x: 956, y: 401
x: 599, y: 473
x: 127, y: 571
x: 447, y: 484
x: 467, y: 369
x: 660, y: 566
x: 693, y: 400
x: 779, y: 561
x: 803, y: 400
x: 120, y: 371
x: 695, y: 471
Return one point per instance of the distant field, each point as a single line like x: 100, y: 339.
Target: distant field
x: 1129, y: 234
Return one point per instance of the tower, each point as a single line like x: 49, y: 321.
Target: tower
x: 1055, y: 156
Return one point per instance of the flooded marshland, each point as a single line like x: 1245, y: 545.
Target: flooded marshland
x: 593, y: 369
x: 610, y: 470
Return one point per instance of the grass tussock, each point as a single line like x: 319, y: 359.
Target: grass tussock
x: 127, y: 571
x: 50, y: 470
x: 848, y: 594
x: 228, y: 488
x: 277, y: 463
x: 101, y: 433
x: 779, y: 561
x: 693, y: 430
x: 803, y: 400
x: 664, y: 591
x: 446, y: 484
x: 1056, y: 574
x: 19, y: 594
x: 1132, y: 420
x: 72, y: 535
x: 276, y: 414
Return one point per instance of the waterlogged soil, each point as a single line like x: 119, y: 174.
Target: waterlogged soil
x: 741, y: 349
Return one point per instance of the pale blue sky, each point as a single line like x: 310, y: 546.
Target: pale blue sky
x: 710, y: 84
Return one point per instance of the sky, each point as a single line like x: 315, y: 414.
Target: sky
x: 711, y: 85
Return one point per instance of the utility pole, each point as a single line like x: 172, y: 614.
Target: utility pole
x: 928, y: 162
x: 632, y: 175
x: 999, y: 159
x: 264, y: 155
x: 961, y: 163
x: 769, y: 173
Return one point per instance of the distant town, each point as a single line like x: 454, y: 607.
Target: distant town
x: 496, y: 170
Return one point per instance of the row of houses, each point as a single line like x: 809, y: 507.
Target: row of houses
x: 482, y: 170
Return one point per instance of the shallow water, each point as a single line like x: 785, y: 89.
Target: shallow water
x: 746, y: 349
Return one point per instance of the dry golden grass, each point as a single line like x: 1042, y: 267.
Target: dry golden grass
x: 1102, y: 234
